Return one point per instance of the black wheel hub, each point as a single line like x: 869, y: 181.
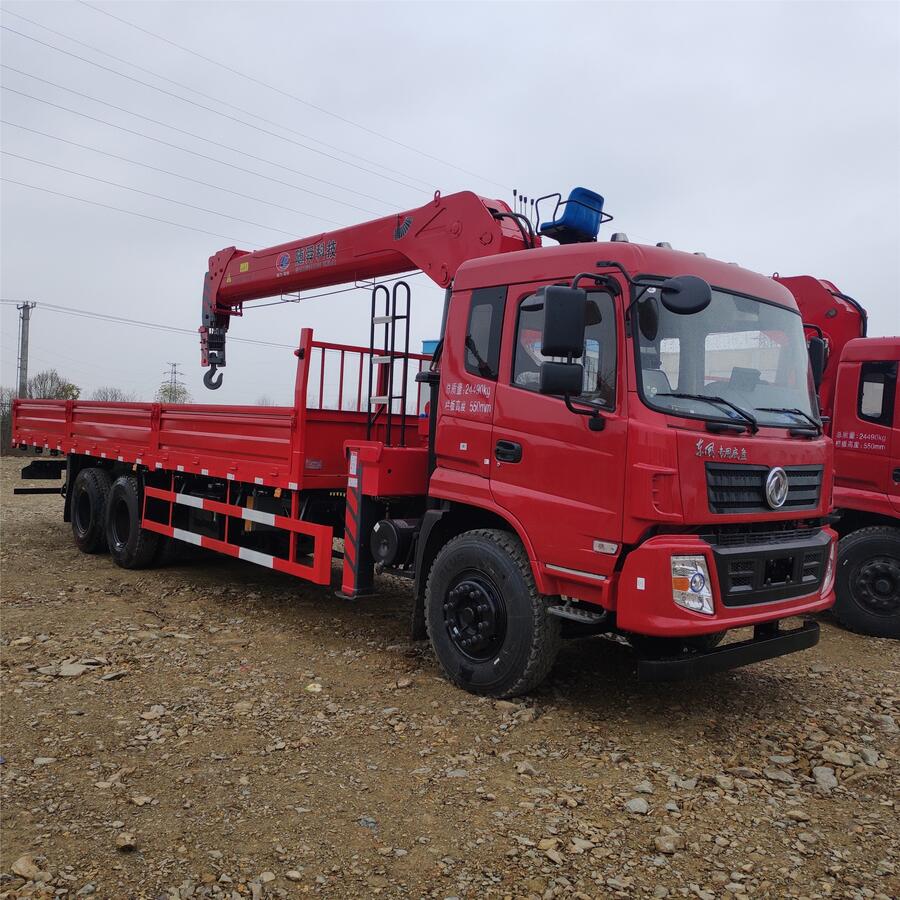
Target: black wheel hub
x: 82, y: 512
x: 876, y: 585
x: 475, y: 616
x: 121, y: 522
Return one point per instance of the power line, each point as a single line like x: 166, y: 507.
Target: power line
x: 125, y: 187
x: 294, y: 97
x: 129, y: 212
x: 291, y: 298
x: 216, y: 112
x: 190, y: 134
x: 155, y: 326
x: 135, y: 162
x: 228, y: 103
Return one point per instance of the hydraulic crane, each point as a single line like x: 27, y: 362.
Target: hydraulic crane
x: 436, y: 239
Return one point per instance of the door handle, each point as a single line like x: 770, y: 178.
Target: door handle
x: 896, y: 476
x: 508, y: 451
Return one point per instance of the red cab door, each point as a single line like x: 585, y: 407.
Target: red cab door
x: 560, y: 480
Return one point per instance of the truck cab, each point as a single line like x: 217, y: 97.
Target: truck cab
x: 678, y: 489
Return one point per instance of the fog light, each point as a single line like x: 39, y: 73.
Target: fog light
x: 690, y: 584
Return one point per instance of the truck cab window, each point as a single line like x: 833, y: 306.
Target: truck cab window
x: 877, y: 383
x: 483, y: 332
x: 598, y: 359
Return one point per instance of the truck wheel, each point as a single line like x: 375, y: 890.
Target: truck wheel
x: 89, y: 500
x: 488, y: 625
x: 867, y: 585
x: 130, y: 546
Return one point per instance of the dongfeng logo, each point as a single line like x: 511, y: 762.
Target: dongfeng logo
x: 776, y: 487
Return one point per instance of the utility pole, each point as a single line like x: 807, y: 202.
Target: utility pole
x: 24, y: 321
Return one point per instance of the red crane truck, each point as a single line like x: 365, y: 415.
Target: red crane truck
x: 609, y: 437
x: 859, y: 398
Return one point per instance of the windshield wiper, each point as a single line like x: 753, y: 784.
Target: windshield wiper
x: 748, y: 417
x: 795, y: 411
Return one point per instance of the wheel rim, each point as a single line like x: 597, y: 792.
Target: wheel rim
x: 875, y: 585
x: 82, y: 512
x: 121, y: 523
x: 475, y: 616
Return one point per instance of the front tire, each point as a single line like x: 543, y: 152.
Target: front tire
x: 130, y: 546
x: 867, y: 585
x: 90, y: 494
x: 487, y: 623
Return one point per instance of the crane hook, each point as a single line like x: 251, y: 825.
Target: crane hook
x: 210, y: 380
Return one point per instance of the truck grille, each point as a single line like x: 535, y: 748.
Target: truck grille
x: 754, y: 573
x: 742, y: 489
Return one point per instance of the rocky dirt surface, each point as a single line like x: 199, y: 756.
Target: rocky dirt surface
x: 213, y: 729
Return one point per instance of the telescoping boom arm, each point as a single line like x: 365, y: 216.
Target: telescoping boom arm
x: 436, y: 238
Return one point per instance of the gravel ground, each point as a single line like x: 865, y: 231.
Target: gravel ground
x: 215, y: 729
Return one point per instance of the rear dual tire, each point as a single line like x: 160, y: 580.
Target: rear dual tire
x: 130, y: 546
x: 90, y: 494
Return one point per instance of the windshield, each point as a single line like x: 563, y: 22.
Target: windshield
x: 748, y: 353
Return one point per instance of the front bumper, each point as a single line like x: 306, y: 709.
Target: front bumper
x: 644, y: 603
x: 766, y: 643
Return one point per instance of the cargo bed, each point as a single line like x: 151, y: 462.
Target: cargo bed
x: 294, y: 447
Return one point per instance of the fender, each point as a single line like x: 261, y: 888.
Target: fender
x: 431, y: 520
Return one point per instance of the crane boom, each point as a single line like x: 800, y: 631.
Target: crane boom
x: 435, y: 238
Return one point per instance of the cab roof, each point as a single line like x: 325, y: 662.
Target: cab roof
x: 871, y: 349
x: 564, y: 262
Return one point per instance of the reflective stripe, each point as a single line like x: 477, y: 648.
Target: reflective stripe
x: 352, y: 482
x: 261, y: 559
x: 230, y: 477
x: 254, y: 515
x: 120, y: 458
x: 292, y: 485
x: 204, y: 471
x: 258, y: 480
x: 566, y: 571
x: 187, y: 536
x: 180, y: 468
x: 188, y: 500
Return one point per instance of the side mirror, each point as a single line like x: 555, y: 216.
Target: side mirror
x: 561, y: 379
x: 685, y: 295
x: 817, y: 353
x: 564, y: 320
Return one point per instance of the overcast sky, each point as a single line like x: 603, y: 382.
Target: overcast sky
x: 762, y: 133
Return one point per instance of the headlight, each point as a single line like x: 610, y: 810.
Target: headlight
x: 828, y: 581
x: 691, y: 587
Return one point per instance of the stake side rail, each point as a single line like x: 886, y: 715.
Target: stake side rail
x: 290, y: 447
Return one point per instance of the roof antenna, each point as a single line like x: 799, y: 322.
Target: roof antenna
x: 515, y: 200
x: 531, y: 214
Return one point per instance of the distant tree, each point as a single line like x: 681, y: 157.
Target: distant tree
x: 173, y: 392
x: 50, y: 385
x: 6, y: 399
x: 113, y: 395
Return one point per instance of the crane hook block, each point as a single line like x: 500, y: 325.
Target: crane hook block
x: 210, y: 380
